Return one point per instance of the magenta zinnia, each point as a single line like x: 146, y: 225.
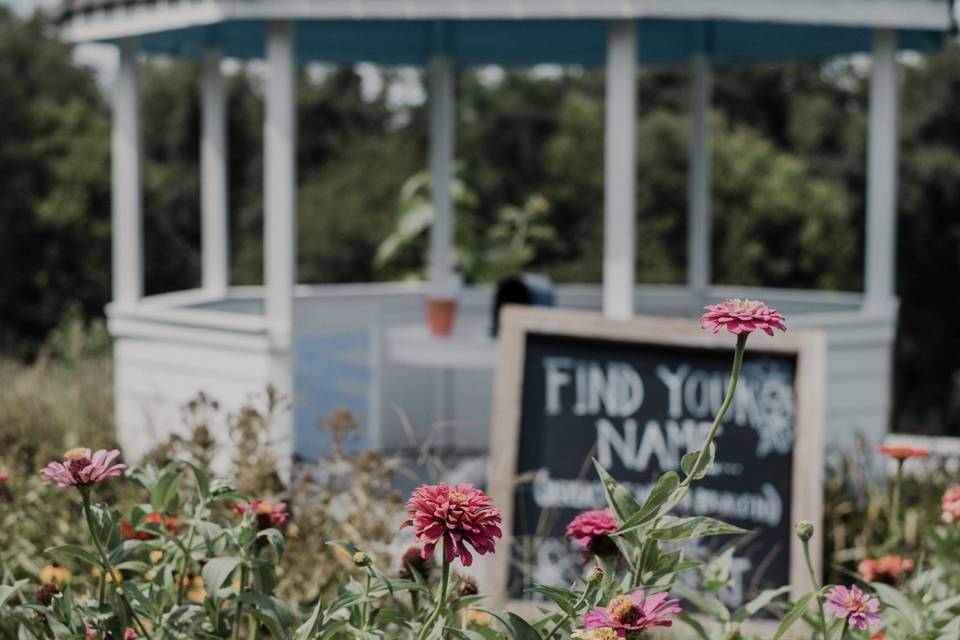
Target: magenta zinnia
x: 458, y: 516
x: 857, y: 606
x: 950, y: 504
x: 81, y: 468
x: 591, y: 530
x: 742, y: 316
x: 633, y: 612
x: 268, y: 514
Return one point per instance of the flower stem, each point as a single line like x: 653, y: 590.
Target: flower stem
x: 183, y: 563
x: 441, y: 598
x: 364, y: 609
x: 896, y: 507
x: 566, y: 616
x: 843, y: 632
x: 243, y: 586
x: 727, y: 401
x: 816, y: 587
x: 107, y: 568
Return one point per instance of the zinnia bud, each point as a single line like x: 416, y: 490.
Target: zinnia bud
x: 360, y: 559
x: 414, y: 561
x: 46, y: 592
x: 732, y: 631
x: 596, y: 575
x: 467, y: 586
x: 804, y: 530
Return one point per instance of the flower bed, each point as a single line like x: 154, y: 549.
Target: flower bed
x: 194, y: 557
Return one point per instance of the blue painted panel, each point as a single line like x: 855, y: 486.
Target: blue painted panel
x: 330, y: 372
x: 529, y: 42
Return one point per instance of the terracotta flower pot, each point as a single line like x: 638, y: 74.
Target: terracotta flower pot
x: 440, y: 313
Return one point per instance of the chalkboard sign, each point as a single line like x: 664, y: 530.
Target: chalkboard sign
x: 637, y: 395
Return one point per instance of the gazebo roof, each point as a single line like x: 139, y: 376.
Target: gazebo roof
x: 511, y: 32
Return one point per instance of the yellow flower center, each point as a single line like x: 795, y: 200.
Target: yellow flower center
x: 456, y: 497
x: 265, y: 507
x: 75, y: 454
x: 622, y: 609
x: 742, y: 304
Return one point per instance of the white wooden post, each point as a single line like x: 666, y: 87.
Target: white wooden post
x: 213, y: 178
x: 280, y: 179
x: 698, y: 213
x: 881, y: 225
x: 619, y: 211
x: 279, y: 219
x: 441, y: 167
x: 126, y: 179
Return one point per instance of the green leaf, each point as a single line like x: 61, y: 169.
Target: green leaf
x: 707, y: 603
x: 517, y: 627
x: 659, y: 495
x: 697, y: 527
x: 693, y: 624
x: 562, y: 597
x: 217, y: 571
x: 751, y: 608
x: 164, y: 498
x: 690, y: 458
x: 892, y: 597
x: 795, y: 613
x: 76, y: 552
x: 203, y: 481
x: 275, y: 538
x: 621, y: 501
x: 6, y: 592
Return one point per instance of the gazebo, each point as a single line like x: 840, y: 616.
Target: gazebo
x: 363, y: 346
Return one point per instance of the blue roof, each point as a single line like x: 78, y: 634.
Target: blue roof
x: 661, y: 42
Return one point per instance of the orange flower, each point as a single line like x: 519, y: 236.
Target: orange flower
x: 902, y: 453
x: 889, y: 568
x: 879, y: 635
x: 127, y: 532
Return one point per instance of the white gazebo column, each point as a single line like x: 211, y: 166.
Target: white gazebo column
x: 441, y: 168
x: 126, y: 180
x: 698, y: 213
x: 213, y: 178
x: 619, y: 210
x: 881, y: 222
x: 279, y: 218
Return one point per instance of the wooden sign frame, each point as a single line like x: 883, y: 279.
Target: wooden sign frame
x: 517, y: 322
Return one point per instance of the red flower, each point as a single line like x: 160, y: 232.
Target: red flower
x: 950, y: 504
x: 127, y: 532
x: 591, y: 528
x: 879, y: 635
x: 269, y: 514
x: 4, y: 476
x: 742, y: 316
x: 902, y: 453
x: 457, y: 515
x: 888, y: 568
x: 81, y: 467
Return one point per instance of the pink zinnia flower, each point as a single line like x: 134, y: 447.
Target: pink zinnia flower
x: 4, y: 476
x: 269, y: 514
x: 888, y: 568
x: 858, y: 607
x: 128, y: 634
x: 950, y: 504
x: 591, y: 530
x: 456, y: 515
x: 633, y: 612
x: 81, y: 468
x: 742, y: 316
